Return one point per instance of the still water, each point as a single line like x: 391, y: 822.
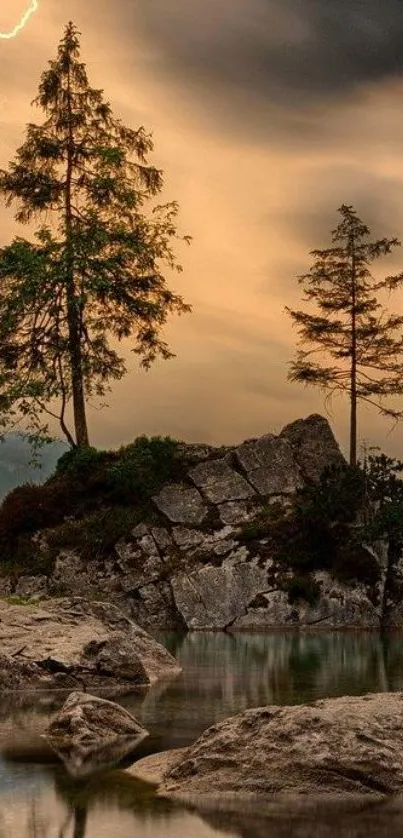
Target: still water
x: 222, y: 675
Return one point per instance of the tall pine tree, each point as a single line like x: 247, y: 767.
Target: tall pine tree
x: 354, y: 345
x: 95, y: 273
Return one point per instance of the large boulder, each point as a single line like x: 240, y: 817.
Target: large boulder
x: 347, y: 746
x: 270, y: 465
x: 313, y: 445
x: 69, y: 642
x: 214, y: 597
x: 90, y: 733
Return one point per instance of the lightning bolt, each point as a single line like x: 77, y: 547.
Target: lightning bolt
x: 6, y: 36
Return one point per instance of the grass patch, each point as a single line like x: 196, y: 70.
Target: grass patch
x: 94, y: 535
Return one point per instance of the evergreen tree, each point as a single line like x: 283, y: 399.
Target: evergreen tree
x: 360, y: 342
x: 94, y: 274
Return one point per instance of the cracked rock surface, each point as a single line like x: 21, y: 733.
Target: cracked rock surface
x: 69, y: 642
x: 190, y: 567
x: 344, y: 746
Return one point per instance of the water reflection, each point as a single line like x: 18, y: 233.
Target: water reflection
x: 114, y: 804
x: 222, y: 675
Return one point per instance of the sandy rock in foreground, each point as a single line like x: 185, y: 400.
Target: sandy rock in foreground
x: 89, y: 733
x: 74, y: 642
x: 345, y: 746
x: 155, y: 767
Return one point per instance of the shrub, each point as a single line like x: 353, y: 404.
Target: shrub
x: 355, y: 563
x: 29, y: 508
x: 21, y: 555
x: 94, y: 535
x: 143, y: 467
x: 79, y: 463
x: 302, y: 587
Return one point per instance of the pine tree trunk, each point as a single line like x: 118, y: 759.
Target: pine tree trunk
x: 353, y: 371
x: 353, y: 419
x: 73, y: 304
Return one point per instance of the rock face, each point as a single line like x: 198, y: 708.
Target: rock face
x: 344, y: 746
x: 214, y: 597
x: 89, y: 733
x: 70, y: 642
x: 313, y: 446
x: 192, y: 568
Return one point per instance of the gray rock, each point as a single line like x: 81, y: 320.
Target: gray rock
x: 65, y: 642
x: 148, y: 545
x: 344, y: 746
x: 219, y: 482
x: 130, y: 557
x: 187, y: 539
x: 181, y: 504
x: 213, y: 597
x: 154, y: 606
x: 235, y: 512
x: 139, y: 531
x: 199, y: 452
x: 162, y: 539
x: 29, y: 586
x: 339, y: 606
x: 270, y: 465
x: 276, y: 612
x: 90, y: 733
x: 313, y: 444
x: 147, y: 572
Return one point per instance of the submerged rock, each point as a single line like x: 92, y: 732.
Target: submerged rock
x: 69, y: 642
x: 343, y: 746
x: 90, y: 733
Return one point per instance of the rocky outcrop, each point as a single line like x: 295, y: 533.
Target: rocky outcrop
x: 70, y: 642
x: 313, y: 446
x: 89, y: 733
x: 192, y: 567
x: 345, y: 746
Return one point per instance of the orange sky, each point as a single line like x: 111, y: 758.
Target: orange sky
x: 259, y: 151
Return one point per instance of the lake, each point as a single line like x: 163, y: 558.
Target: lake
x: 222, y: 675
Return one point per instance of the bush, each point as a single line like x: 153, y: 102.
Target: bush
x: 320, y: 532
x: 95, y: 535
x: 143, y: 467
x: 302, y: 587
x: 21, y: 555
x: 79, y: 463
x: 30, y: 508
x: 103, y: 493
x: 355, y: 563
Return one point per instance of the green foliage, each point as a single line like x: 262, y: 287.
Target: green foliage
x: 302, y: 586
x: 96, y: 275
x: 322, y: 530
x: 143, y: 467
x: 262, y: 524
x: 385, y: 495
x: 19, y: 600
x: 93, y: 499
x: 30, y: 508
x: 79, y: 463
x: 95, y: 535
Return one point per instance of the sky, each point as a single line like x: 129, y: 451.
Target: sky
x: 267, y: 115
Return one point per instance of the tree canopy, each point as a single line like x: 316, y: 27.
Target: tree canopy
x: 95, y: 273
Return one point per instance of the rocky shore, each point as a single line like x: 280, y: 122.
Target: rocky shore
x: 65, y: 643
x: 346, y: 747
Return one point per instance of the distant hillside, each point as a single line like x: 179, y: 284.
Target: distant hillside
x: 15, y: 468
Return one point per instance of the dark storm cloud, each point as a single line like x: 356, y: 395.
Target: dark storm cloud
x: 282, y: 48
